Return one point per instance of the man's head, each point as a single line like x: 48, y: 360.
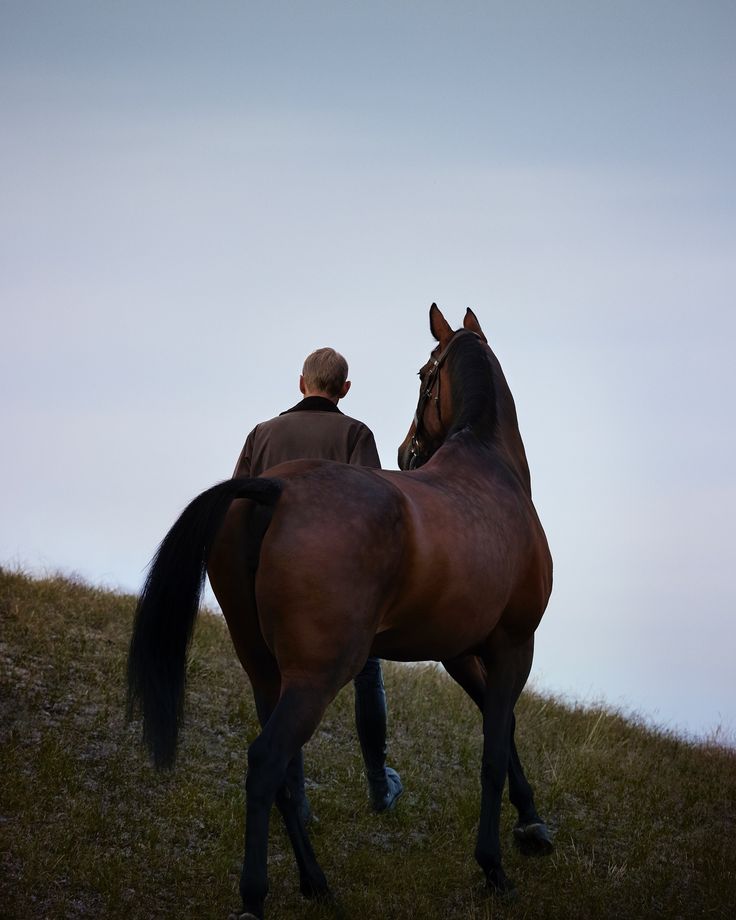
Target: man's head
x: 325, y: 373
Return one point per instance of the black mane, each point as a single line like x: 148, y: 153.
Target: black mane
x: 473, y: 388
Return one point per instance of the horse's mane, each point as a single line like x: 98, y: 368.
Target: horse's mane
x: 473, y: 388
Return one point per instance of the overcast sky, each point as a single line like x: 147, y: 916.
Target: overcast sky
x: 196, y: 195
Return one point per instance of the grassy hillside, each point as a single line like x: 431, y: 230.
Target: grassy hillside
x: 645, y: 823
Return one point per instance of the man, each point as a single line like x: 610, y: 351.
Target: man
x: 315, y: 429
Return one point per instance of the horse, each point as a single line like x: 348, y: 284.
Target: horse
x: 317, y: 565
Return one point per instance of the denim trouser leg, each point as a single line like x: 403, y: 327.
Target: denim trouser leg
x: 370, y: 718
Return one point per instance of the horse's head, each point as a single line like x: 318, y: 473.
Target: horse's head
x: 436, y: 414
x: 462, y: 387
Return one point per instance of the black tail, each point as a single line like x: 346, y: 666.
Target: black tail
x: 167, y: 609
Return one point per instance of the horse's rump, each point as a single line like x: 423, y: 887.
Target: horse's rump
x: 328, y: 567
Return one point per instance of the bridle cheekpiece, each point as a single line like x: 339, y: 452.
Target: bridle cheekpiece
x: 426, y: 394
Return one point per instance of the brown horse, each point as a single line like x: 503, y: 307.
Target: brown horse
x: 319, y: 565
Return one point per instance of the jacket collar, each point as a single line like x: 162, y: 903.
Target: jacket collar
x: 314, y: 404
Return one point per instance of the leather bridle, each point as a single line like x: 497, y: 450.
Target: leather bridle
x: 426, y: 394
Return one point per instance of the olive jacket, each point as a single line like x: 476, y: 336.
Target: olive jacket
x: 313, y: 429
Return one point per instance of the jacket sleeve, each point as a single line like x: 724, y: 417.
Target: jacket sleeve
x: 242, y: 467
x: 365, y: 452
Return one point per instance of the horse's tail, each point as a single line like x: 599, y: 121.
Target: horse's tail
x: 167, y: 608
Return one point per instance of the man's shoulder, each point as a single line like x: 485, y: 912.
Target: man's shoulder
x: 356, y: 422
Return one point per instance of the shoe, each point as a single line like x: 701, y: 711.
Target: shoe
x: 385, y: 792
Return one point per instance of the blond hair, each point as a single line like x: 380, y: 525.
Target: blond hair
x: 325, y: 370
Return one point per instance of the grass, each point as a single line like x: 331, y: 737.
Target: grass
x: 645, y: 822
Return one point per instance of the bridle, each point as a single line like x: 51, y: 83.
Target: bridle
x: 426, y: 394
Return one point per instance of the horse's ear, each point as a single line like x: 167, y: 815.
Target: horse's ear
x: 438, y: 325
x: 471, y: 322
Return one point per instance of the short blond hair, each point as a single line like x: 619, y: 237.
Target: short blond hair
x: 325, y: 370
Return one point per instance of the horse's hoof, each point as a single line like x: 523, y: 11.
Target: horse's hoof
x: 533, y: 839
x: 500, y: 885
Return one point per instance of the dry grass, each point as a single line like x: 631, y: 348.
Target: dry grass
x: 645, y: 822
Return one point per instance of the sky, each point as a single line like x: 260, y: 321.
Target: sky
x: 194, y: 196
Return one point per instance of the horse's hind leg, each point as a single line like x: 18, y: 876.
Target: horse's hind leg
x: 290, y: 725
x: 295, y: 782
x: 531, y: 833
x: 287, y: 798
x: 468, y: 671
x: 265, y: 703
x: 507, y: 664
x: 312, y: 882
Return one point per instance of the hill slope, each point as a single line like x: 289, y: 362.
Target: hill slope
x: 644, y: 822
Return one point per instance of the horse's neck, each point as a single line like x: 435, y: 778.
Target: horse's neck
x: 485, y: 458
x: 508, y: 435
x: 512, y: 448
